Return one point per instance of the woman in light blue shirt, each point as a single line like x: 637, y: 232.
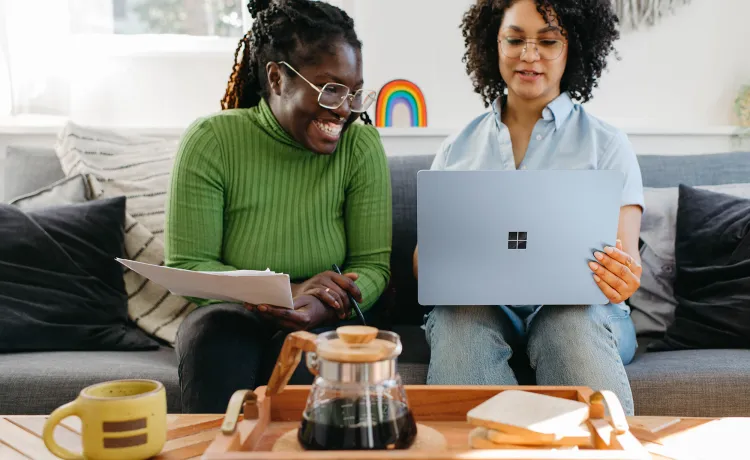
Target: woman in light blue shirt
x: 529, y: 60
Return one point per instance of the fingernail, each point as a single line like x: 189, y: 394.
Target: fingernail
x: 608, y: 250
x: 599, y: 255
x: 596, y: 278
x: 593, y: 266
x: 262, y: 308
x: 336, y: 302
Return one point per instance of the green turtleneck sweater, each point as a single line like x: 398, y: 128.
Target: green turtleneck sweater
x: 245, y: 195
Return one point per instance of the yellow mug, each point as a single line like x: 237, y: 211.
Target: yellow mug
x: 121, y: 419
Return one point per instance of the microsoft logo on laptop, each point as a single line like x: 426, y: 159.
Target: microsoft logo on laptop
x: 516, y: 240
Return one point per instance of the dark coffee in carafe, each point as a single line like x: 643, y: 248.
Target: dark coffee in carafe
x: 358, y: 424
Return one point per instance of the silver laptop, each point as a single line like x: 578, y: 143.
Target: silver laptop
x: 514, y: 237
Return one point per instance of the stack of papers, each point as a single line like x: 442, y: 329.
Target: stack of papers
x: 251, y: 286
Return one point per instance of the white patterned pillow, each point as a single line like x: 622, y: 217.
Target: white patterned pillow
x: 139, y: 168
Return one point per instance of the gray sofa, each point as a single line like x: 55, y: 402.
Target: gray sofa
x: 685, y: 383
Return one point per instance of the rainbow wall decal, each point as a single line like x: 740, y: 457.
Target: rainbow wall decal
x: 396, y: 93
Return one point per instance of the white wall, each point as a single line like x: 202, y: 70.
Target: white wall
x: 415, y: 40
x: 685, y: 72
x: 164, y: 90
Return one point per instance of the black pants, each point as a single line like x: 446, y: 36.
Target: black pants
x: 224, y: 347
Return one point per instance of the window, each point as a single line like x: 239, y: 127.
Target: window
x: 517, y: 240
x: 108, y: 28
x: 156, y: 27
x: 222, y: 18
x: 198, y: 18
x: 113, y: 43
x: 119, y: 9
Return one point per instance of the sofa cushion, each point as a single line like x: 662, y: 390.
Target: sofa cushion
x: 69, y: 190
x: 404, y: 171
x: 38, y: 383
x: 29, y: 168
x: 712, y: 284
x: 414, y: 343
x: 660, y: 171
x: 412, y: 373
x: 62, y: 288
x: 691, y: 383
x: 654, y: 302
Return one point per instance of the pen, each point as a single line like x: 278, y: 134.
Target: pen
x: 351, y: 298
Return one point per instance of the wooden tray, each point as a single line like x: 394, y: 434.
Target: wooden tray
x: 252, y: 433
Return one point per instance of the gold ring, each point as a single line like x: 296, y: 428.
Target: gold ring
x: 630, y: 261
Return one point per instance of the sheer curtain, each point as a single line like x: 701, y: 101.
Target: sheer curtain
x: 5, y: 87
x: 34, y: 44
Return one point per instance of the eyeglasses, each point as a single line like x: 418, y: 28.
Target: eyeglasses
x: 333, y: 95
x: 547, y: 49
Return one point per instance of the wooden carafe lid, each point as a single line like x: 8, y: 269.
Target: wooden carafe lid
x: 356, y: 344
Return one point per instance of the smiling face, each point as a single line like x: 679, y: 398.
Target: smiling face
x: 528, y: 76
x: 295, y: 103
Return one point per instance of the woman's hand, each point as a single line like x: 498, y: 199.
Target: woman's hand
x: 617, y: 273
x: 331, y: 288
x: 309, y: 312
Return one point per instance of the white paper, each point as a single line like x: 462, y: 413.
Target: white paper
x: 251, y: 286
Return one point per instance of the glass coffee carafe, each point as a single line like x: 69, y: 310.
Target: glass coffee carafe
x: 357, y: 400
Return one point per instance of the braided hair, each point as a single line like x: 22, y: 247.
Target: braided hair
x: 284, y: 30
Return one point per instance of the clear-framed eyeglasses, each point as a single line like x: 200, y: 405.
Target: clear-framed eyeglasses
x: 547, y: 49
x: 332, y: 95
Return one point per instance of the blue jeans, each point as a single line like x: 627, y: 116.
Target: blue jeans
x: 565, y: 345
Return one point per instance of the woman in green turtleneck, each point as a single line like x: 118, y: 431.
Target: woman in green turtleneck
x: 283, y: 178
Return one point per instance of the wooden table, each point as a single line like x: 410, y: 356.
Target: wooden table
x: 189, y: 435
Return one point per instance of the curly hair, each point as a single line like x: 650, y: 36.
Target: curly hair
x: 297, y: 31
x: 589, y: 26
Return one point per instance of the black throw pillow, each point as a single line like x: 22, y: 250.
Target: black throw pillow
x: 60, y: 285
x: 712, y: 284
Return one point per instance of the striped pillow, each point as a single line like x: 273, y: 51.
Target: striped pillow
x: 137, y: 167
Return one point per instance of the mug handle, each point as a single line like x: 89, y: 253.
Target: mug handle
x: 48, y: 435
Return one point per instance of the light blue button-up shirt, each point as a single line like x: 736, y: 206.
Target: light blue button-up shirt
x: 565, y: 138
